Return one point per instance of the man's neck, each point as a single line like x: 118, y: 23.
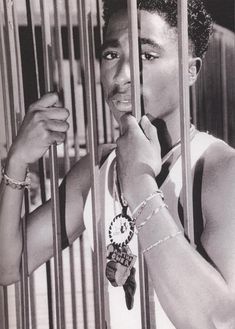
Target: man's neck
x: 168, y: 133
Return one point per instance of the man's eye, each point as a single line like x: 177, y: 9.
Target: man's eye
x: 109, y: 55
x: 149, y: 56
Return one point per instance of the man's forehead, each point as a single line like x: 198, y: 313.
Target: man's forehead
x: 150, y: 25
x: 118, y: 22
x: 115, y: 43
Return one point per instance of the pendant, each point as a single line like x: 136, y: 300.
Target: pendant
x: 121, y: 255
x: 121, y: 262
x: 120, y: 271
x: 121, y: 230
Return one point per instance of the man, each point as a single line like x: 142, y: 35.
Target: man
x: 193, y: 289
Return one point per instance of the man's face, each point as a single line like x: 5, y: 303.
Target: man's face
x: 159, y: 55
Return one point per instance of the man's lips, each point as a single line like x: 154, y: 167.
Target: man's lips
x: 121, y: 98
x: 122, y: 104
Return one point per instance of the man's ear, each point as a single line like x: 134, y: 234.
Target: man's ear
x: 195, y: 64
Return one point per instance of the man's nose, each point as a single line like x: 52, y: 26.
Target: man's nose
x: 123, y: 75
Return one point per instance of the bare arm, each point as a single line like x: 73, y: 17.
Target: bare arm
x: 193, y: 293
x: 43, y: 125
x: 73, y: 194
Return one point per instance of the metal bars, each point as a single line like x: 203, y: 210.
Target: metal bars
x: 15, y: 84
x: 185, y: 118
x: 133, y: 34
x: 58, y: 265
x: 13, y: 101
x: 134, y: 58
x: 89, y: 79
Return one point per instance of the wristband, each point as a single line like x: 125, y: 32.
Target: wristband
x: 154, y: 212
x: 168, y: 237
x: 15, y: 184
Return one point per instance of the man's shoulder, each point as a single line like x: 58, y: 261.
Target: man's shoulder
x: 219, y: 156
x: 218, y: 173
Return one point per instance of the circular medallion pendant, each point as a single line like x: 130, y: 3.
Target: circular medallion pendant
x: 121, y: 230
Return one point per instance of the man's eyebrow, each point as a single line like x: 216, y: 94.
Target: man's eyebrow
x: 113, y: 43
x: 151, y: 42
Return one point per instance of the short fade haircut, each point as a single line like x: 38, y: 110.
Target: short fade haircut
x: 200, y: 24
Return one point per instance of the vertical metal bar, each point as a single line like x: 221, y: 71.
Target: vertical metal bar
x: 2, y: 309
x: 24, y: 270
x: 5, y: 86
x: 73, y: 287
x: 73, y: 76
x: 73, y: 80
x: 42, y: 173
x: 8, y: 133
x: 134, y: 58
x: 224, y: 89
x: 73, y: 95
x: 15, y: 77
x: 105, y: 108
x: 108, y: 122
x: 24, y: 273
x: 58, y: 45
x: 136, y: 104
x: 58, y: 268
x: 185, y: 118
x: 59, y: 58
x: 194, y: 105
x: 12, y: 66
x: 87, y: 65
x: 32, y: 301
x: 18, y: 306
x: 31, y: 25
x: 18, y: 62
x: 4, y: 314
x: 83, y: 68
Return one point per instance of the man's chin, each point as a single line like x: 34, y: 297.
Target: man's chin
x: 118, y: 114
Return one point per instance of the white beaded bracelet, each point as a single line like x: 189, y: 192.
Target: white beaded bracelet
x: 15, y: 184
x: 142, y: 205
x: 161, y: 241
x: 154, y: 212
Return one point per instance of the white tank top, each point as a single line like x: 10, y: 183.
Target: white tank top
x: 119, y: 317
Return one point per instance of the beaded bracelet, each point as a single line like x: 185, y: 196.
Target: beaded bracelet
x: 15, y: 184
x: 142, y: 205
x: 154, y: 212
x: 171, y: 236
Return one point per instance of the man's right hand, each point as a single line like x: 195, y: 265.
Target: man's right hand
x: 44, y: 124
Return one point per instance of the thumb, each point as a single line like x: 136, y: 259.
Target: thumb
x: 148, y: 128
x: 127, y: 121
x: 48, y: 100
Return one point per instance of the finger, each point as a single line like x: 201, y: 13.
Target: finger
x: 57, y: 113
x: 41, y: 114
x: 46, y: 100
x: 127, y: 121
x: 57, y: 137
x: 57, y: 125
x: 149, y: 130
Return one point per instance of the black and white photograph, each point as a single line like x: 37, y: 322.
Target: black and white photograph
x: 117, y: 150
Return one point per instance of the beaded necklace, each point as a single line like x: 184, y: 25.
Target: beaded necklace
x: 121, y: 229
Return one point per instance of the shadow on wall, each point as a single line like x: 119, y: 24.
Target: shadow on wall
x: 222, y: 12
x: 214, y: 98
